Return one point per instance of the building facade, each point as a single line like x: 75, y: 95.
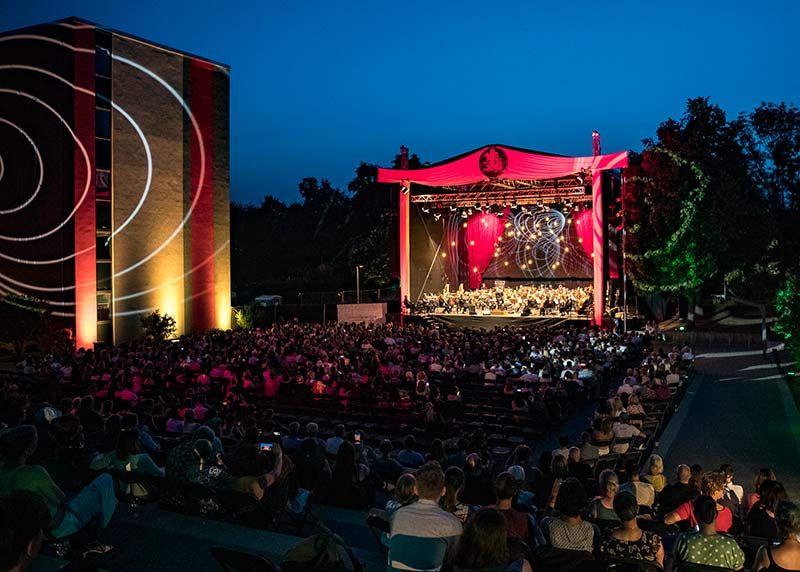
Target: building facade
x: 114, y: 180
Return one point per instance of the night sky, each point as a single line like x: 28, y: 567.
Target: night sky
x: 317, y: 87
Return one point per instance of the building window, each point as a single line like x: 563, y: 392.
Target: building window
x: 103, y: 306
x: 102, y: 123
x: 102, y: 62
x: 102, y: 88
x: 102, y: 159
x: 103, y: 216
x: 103, y: 248
x: 104, y: 275
x: 103, y: 184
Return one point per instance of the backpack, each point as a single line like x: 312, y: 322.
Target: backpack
x: 324, y: 552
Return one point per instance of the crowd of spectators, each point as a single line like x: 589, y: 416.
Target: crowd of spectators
x: 206, y: 414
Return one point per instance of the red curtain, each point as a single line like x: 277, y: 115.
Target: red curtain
x: 483, y: 230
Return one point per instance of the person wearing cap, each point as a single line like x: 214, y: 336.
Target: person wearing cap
x: 523, y: 500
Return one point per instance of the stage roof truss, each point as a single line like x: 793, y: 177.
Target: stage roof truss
x: 577, y: 193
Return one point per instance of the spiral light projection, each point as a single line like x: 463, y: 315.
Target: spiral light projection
x: 6, y: 281
x: 541, y: 244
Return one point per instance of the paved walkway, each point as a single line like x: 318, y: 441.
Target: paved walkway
x: 738, y: 410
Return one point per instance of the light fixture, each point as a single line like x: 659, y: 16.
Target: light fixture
x: 404, y: 189
x: 426, y: 209
x: 437, y: 216
x: 453, y: 208
x: 464, y: 215
x: 444, y: 255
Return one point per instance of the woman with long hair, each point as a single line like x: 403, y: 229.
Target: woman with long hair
x: 483, y: 547
x: 127, y: 457
x: 764, y: 474
x: 454, y: 481
x: 350, y: 486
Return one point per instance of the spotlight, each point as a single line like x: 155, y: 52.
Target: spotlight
x: 513, y: 204
x: 437, y: 216
x: 469, y: 212
x: 426, y: 209
x: 477, y: 206
x: 453, y: 208
x: 444, y: 255
x: 464, y: 214
x: 452, y: 243
x: 404, y: 189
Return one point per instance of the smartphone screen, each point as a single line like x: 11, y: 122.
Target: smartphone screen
x: 265, y: 446
x: 357, y: 437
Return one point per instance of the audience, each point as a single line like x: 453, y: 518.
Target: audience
x: 713, y: 486
x: 707, y: 546
x: 761, y: 520
x: 785, y: 556
x: 569, y: 531
x: 24, y: 518
x: 628, y: 540
x: 602, y: 507
x: 483, y: 546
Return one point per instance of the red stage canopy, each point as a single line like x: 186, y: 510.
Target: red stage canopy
x: 501, y: 162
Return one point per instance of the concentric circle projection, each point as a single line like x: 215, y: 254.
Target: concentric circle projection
x: 531, y: 245
x: 6, y: 281
x: 38, y: 159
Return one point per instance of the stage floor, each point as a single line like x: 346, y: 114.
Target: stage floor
x: 490, y: 322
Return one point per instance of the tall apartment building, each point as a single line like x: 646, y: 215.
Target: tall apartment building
x: 114, y: 179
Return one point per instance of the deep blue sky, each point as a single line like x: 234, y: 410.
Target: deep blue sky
x: 318, y: 86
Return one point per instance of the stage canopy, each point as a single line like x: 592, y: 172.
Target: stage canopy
x: 500, y: 162
x: 502, y: 173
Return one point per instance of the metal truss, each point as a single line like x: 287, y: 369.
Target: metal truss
x: 507, y: 197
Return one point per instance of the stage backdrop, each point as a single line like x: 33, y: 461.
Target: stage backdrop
x: 512, y: 245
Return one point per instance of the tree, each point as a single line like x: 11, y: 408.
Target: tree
x: 158, y: 327
x: 695, y: 213
x: 23, y: 320
x: 787, y: 306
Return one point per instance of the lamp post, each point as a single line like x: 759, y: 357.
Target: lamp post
x: 358, y: 283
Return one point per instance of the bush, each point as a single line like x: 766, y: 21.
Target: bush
x: 787, y: 306
x: 158, y: 327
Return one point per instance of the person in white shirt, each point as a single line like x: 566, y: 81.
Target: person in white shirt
x: 623, y: 430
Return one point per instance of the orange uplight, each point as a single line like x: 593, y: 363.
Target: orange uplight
x: 475, y: 269
x: 452, y: 243
x: 444, y: 255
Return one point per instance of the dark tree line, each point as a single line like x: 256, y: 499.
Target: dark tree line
x: 715, y: 200
x: 314, y: 245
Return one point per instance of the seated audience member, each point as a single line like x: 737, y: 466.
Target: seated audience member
x: 292, y: 440
x: 559, y: 470
x: 674, y: 495
x: 589, y: 451
x: 524, y: 498
x: 644, y: 492
x: 505, y: 489
x: 127, y: 457
x: 577, y: 468
x: 312, y: 468
x: 712, y: 485
x: 23, y: 520
x: 707, y: 546
x: 478, y: 485
x: 332, y: 444
x: 563, y: 447
x: 89, y: 510
x: 624, y: 430
x: 654, y: 473
x: 409, y: 457
x: 602, y: 507
x: 569, y: 531
x: 405, y: 493
x: 189, y: 424
x: 385, y: 467
x: 194, y: 461
x: 628, y: 540
x: 483, y: 547
x: 453, y: 487
x: 761, y: 518
x: 733, y: 495
x: 786, y: 556
x: 350, y: 486
x: 423, y: 530
x: 765, y: 474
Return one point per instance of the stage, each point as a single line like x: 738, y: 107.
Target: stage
x: 490, y: 322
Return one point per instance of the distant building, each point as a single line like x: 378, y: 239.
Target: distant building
x: 114, y: 179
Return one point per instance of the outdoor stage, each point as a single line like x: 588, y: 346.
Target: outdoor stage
x: 501, y: 215
x: 490, y: 322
